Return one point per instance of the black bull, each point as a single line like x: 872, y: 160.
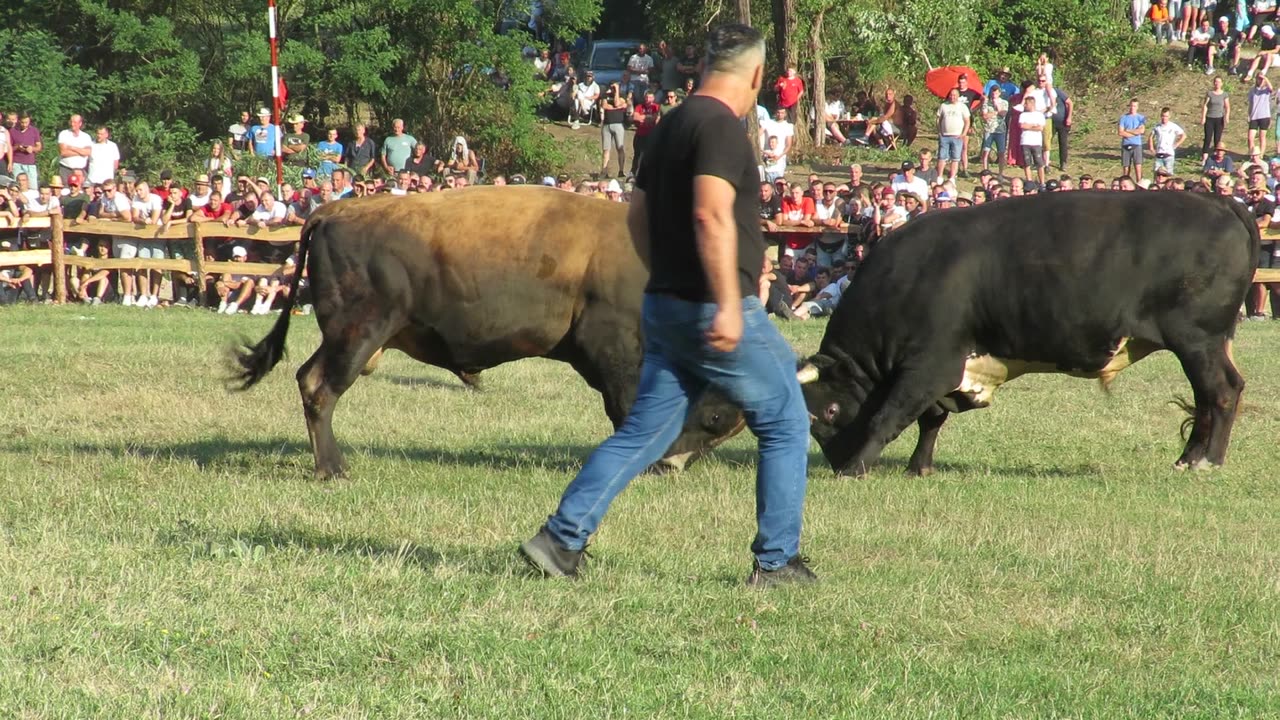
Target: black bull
x: 471, y: 279
x: 955, y: 303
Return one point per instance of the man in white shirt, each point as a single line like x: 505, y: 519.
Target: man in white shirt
x: 835, y: 111
x: 780, y: 128
x: 586, y: 97
x: 910, y: 182
x: 269, y: 212
x: 73, y: 148
x: 639, y: 66
x: 1164, y: 141
x: 147, y: 209
x: 199, y: 197
x: 953, y: 127
x: 1032, y: 121
x: 104, y: 158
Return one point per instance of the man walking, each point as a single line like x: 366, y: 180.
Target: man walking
x: 696, y: 203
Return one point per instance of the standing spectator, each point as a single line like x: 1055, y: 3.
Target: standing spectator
x: 1044, y: 66
x: 264, y: 135
x: 1164, y: 141
x: 645, y: 118
x: 1007, y: 87
x: 362, y: 152
x: 953, y: 127
x: 1061, y: 120
x: 613, y: 134
x: 1132, y: 127
x: 104, y: 157
x: 74, y: 147
x: 239, y: 133
x: 1214, y: 115
x: 670, y: 70
x: 330, y: 151
x: 396, y: 148
x: 219, y: 161
x: 1259, y: 101
x: 780, y: 128
x: 1267, y: 49
x: 995, y: 135
x: 26, y: 144
x: 1032, y: 122
x: 588, y: 93
x: 202, y: 193
x: 148, y: 209
x: 688, y: 69
x: 670, y: 101
x: 790, y: 89
x: 296, y: 141
x: 639, y: 65
x: 6, y: 150
x: 775, y: 160
x: 908, y: 181
x: 972, y: 99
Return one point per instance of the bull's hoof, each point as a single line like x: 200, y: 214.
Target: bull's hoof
x: 326, y: 474
x: 1198, y: 465
x: 673, y: 464
x: 920, y: 471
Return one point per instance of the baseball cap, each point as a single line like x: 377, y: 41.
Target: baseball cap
x: 613, y: 187
x: 517, y: 179
x: 1223, y: 20
x: 548, y: 180
x: 239, y: 251
x: 1268, y: 31
x: 562, y: 178
x: 75, y: 178
x: 908, y: 165
x: 887, y: 192
x: 1052, y: 185
x: 308, y: 173
x: 943, y: 196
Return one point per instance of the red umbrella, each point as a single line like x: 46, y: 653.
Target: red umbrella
x: 941, y: 80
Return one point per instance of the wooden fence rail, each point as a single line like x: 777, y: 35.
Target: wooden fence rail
x: 197, y: 232
x: 179, y: 231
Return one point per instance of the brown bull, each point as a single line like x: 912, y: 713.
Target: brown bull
x: 467, y: 280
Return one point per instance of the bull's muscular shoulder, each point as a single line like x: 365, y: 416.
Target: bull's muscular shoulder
x: 560, y: 234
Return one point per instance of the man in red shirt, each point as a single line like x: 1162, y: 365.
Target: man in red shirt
x: 789, y: 88
x: 645, y: 118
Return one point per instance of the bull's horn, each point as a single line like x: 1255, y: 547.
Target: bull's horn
x: 807, y: 374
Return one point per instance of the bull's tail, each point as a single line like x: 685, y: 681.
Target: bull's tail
x: 252, y: 363
x: 1187, y: 422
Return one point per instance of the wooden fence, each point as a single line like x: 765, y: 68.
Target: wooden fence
x: 198, y: 232
x: 178, y: 232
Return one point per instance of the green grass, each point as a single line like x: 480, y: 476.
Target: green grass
x: 164, y: 552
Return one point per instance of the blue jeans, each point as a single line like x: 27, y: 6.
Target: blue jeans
x: 759, y: 374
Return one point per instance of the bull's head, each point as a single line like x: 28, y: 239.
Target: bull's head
x: 835, y: 400
x: 711, y: 421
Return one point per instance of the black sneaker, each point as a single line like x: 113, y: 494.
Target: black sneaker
x: 795, y: 571
x: 545, y: 555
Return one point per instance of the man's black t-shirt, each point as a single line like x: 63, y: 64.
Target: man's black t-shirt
x: 701, y: 137
x: 1269, y: 43
x: 972, y: 98
x: 425, y: 166
x: 771, y: 208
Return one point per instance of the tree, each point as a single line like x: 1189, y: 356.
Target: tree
x: 36, y: 76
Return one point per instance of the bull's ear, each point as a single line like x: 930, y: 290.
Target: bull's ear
x: 833, y: 409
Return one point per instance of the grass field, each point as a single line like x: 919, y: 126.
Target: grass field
x: 164, y: 552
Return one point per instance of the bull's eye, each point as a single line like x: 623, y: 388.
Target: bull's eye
x: 832, y: 411
x: 715, y: 418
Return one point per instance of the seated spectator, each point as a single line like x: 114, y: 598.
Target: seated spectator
x: 825, y: 301
x: 98, y: 286
x: 463, y: 161
x: 586, y: 95
x: 277, y: 283
x: 775, y: 160
x: 17, y: 283
x: 806, y: 290
x: 1161, y: 23
x: 1267, y: 49
x: 1219, y: 163
x: 1200, y: 46
x: 835, y: 111
x: 234, y: 289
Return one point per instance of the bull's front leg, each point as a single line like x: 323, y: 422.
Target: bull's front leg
x: 912, y: 396
x: 929, y: 423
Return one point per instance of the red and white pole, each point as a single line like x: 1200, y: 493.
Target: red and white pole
x: 275, y: 92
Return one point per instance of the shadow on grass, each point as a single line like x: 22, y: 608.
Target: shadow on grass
x: 422, y: 382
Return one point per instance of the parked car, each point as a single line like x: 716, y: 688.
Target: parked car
x: 608, y: 58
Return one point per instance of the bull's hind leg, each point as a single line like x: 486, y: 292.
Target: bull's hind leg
x: 323, y: 379
x: 1216, y: 385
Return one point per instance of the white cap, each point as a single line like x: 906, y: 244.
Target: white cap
x: 239, y: 251
x: 1268, y: 31
x: 613, y: 187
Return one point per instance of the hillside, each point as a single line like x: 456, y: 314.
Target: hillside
x: 1094, y: 146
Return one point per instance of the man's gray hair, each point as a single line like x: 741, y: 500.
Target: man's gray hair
x: 731, y: 47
